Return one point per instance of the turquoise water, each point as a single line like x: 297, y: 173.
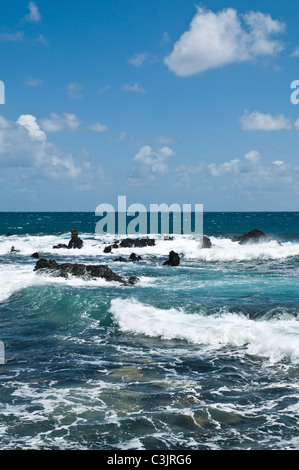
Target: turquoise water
x: 200, y: 356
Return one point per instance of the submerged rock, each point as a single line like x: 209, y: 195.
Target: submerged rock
x: 205, y: 242
x: 173, y: 259
x: 254, y: 236
x: 80, y: 270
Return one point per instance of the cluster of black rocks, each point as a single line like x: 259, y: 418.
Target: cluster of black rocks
x: 103, y: 271
x: 131, y: 243
x: 82, y: 270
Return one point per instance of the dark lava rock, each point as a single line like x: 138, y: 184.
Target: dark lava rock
x: 75, y: 241
x: 205, y: 242
x: 134, y: 257
x: 133, y: 280
x: 137, y: 243
x: 107, y: 249
x: 121, y: 259
x: 80, y: 270
x: 173, y: 260
x: 9, y: 234
x: 254, y: 236
x: 35, y: 255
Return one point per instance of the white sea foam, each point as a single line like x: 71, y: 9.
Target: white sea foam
x: 16, y: 277
x: 276, y: 340
x: 223, y: 249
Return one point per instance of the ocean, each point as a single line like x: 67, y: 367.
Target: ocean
x: 200, y: 356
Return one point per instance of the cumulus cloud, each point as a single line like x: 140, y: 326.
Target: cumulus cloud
x: 66, y: 122
x: 149, y: 164
x: 218, y: 39
x: 34, y: 15
x: 30, y: 124
x: 23, y: 144
x: 264, y: 122
x: 246, y: 173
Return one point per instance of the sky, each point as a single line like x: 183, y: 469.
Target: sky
x: 163, y: 101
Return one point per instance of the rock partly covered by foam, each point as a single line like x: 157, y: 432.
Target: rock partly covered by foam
x: 137, y: 242
x: 173, y: 259
x: 254, y: 236
x: 205, y: 242
x: 132, y: 257
x: 81, y: 270
x: 75, y: 241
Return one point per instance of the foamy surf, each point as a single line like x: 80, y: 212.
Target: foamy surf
x: 188, y: 247
x: 275, y: 340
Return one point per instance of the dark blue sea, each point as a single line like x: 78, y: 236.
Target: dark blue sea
x: 200, y: 356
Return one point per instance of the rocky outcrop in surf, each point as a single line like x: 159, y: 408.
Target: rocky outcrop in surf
x: 132, y: 257
x: 173, y: 259
x: 81, y: 270
x: 254, y: 236
x: 205, y: 242
x: 75, y: 241
x: 137, y: 242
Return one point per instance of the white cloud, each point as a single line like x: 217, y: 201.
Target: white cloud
x: 135, y: 87
x: 253, y: 156
x: 243, y: 174
x: 295, y: 53
x: 264, y: 122
x: 34, y: 15
x: 66, y: 122
x: 74, y: 90
x: 98, y: 127
x: 24, y: 145
x: 30, y: 124
x: 138, y: 60
x: 228, y: 167
x: 218, y: 39
x: 152, y: 162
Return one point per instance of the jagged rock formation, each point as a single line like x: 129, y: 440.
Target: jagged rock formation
x: 81, y: 270
x: 173, y: 259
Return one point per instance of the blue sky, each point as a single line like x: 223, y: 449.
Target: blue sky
x: 167, y: 101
